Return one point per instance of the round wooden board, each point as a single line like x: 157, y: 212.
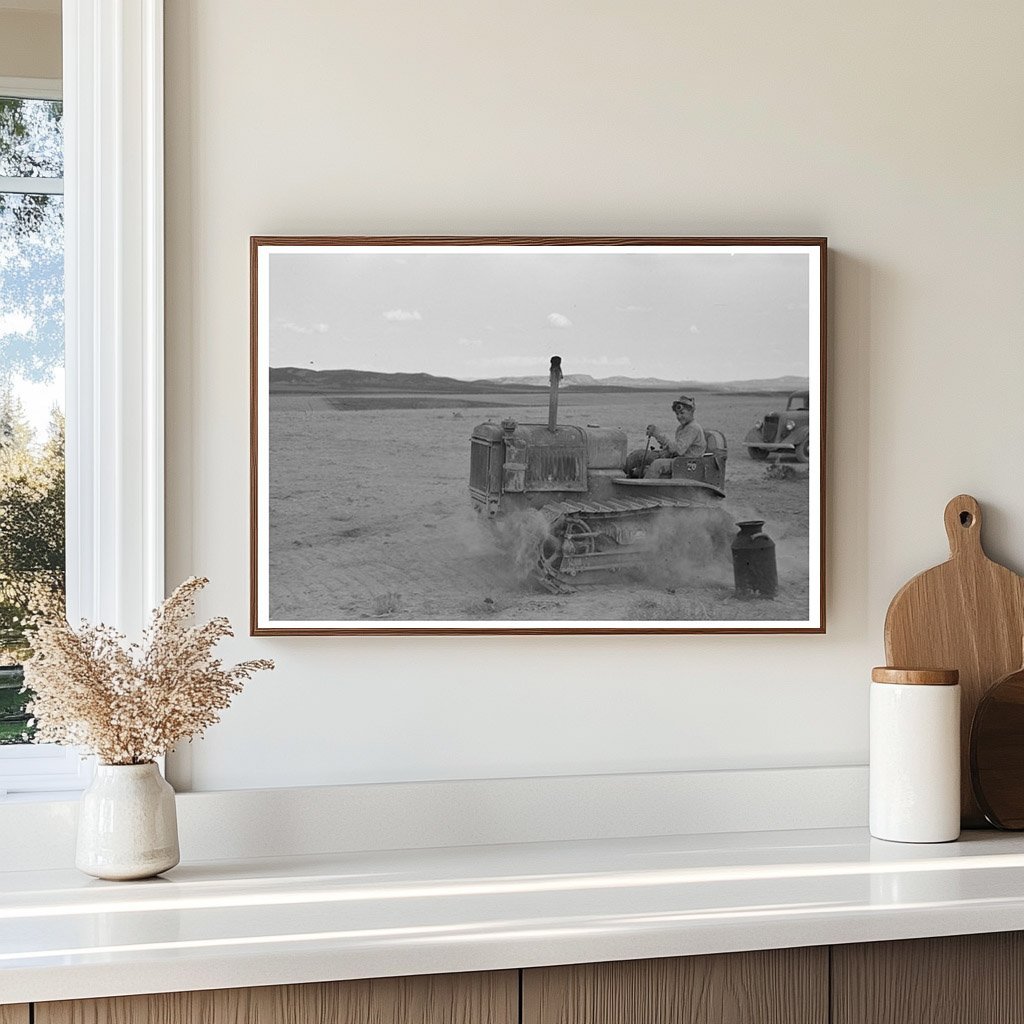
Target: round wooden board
x: 997, y: 752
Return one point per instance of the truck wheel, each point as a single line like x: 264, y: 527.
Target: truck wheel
x: 758, y: 454
x: 803, y: 451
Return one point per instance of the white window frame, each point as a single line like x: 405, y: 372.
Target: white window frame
x: 114, y: 344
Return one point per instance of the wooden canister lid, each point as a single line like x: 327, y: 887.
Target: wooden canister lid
x: 916, y: 676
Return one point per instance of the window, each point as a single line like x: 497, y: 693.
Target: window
x: 32, y: 562
x: 31, y: 382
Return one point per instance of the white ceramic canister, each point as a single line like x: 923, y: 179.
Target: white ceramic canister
x: 915, y: 755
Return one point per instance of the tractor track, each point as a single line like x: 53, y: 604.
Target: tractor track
x: 560, y: 515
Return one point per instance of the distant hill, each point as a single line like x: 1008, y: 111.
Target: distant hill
x: 583, y: 380
x: 569, y: 380
x: 292, y: 379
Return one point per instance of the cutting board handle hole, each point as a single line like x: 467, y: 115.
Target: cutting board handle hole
x: 966, y: 519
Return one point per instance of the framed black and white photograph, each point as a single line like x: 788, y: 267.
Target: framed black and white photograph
x: 537, y: 435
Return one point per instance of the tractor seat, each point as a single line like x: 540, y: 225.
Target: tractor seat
x: 709, y: 467
x: 715, y: 442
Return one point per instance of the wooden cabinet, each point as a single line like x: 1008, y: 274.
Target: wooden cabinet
x: 776, y: 986
x: 491, y: 998
x: 963, y: 979
x: 966, y: 979
x: 972, y: 979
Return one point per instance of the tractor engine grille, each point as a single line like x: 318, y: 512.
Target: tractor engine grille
x: 555, y: 469
x: 479, y: 465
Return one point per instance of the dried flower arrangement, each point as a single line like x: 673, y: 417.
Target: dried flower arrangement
x: 129, y: 704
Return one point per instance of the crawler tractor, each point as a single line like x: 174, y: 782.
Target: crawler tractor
x: 596, y: 515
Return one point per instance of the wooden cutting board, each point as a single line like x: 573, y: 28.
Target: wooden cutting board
x: 967, y: 614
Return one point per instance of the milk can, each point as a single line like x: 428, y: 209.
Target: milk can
x: 753, y: 561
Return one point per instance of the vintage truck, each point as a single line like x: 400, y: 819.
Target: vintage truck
x: 787, y: 433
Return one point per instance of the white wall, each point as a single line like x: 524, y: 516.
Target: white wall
x: 894, y: 129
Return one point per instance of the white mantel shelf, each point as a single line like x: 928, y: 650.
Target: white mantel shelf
x: 225, y: 924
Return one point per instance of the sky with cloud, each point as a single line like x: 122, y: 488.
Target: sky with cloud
x: 467, y: 313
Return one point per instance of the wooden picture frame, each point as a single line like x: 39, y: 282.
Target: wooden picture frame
x: 421, y: 465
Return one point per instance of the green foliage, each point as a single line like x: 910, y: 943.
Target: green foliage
x: 31, y: 138
x: 31, y: 549
x: 14, y: 719
x: 31, y: 524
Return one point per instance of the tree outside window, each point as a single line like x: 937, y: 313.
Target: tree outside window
x: 31, y: 386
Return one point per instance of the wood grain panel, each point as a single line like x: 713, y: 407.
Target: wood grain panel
x: 482, y: 998
x: 963, y: 979
x: 14, y: 1014
x: 778, y: 986
x: 967, y: 614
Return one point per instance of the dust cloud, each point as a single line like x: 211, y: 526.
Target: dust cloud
x: 521, y: 535
x: 691, y: 546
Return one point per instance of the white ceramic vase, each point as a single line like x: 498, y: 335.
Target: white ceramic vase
x: 127, y: 825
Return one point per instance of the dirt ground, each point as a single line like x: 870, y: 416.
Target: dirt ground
x: 371, y: 519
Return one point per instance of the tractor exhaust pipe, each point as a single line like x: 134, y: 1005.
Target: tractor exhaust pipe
x: 556, y: 376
